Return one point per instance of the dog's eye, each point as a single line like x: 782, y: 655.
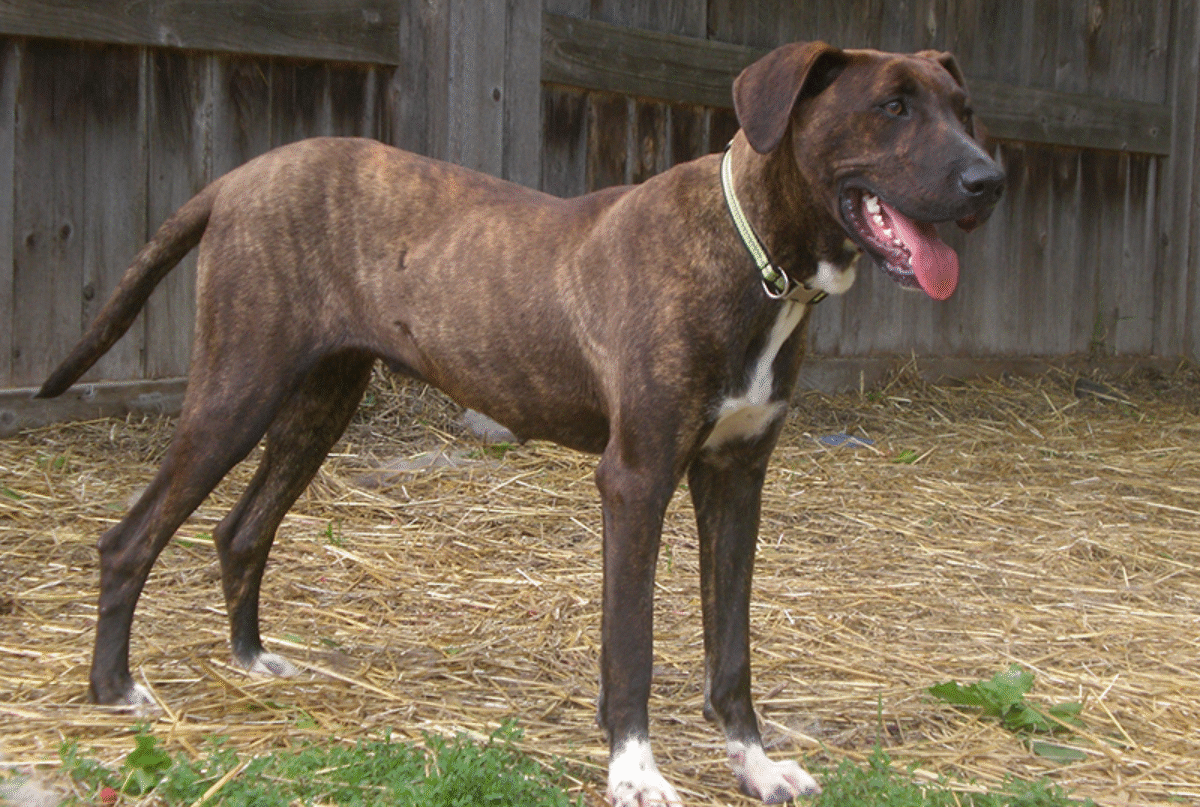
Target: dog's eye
x: 895, y: 107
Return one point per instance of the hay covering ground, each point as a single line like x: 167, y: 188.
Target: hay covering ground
x: 1034, y: 526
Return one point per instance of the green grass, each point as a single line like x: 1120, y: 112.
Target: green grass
x: 459, y: 773
x: 879, y: 784
x: 441, y: 773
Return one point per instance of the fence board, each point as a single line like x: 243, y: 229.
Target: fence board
x: 241, y: 110
x: 363, y: 31
x: 180, y: 164
x: 595, y: 55
x: 475, y: 133
x: 10, y: 77
x: 650, y: 141
x: 49, y: 208
x: 1178, y: 228
x: 114, y: 193
x: 564, y: 141
x: 522, y: 149
x: 608, y: 140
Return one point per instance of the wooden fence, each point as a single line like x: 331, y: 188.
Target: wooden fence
x: 113, y: 113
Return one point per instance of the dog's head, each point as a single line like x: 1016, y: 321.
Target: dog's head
x: 888, y: 142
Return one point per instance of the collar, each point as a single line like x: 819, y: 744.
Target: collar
x: 775, y: 281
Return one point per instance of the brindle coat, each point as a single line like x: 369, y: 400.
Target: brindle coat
x: 625, y: 322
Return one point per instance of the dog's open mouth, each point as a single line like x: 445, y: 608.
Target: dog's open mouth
x: 911, y: 252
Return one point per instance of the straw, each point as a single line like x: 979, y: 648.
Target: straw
x: 1022, y: 520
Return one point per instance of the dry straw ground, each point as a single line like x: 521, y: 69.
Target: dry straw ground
x: 1032, y: 526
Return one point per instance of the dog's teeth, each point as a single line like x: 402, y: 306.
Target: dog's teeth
x: 878, y: 217
x: 872, y: 204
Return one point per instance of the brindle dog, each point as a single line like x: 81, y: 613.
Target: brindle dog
x: 633, y: 322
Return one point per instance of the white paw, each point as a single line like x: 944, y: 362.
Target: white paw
x: 273, y: 665
x: 139, y: 701
x: 634, y: 780
x: 770, y: 782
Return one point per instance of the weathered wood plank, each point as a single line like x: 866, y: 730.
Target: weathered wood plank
x: 683, y: 17
x: 611, y: 58
x: 522, y: 157
x: 20, y: 410
x: 10, y: 81
x: 331, y: 30
x: 180, y: 164
x: 1178, y: 329
x: 418, y: 97
x: 564, y: 141
x: 301, y: 105
x: 49, y: 210
x: 241, y: 115
x: 599, y: 56
x: 475, y: 133
x: 114, y: 192
x: 689, y: 134
x: 650, y: 141
x: 608, y: 140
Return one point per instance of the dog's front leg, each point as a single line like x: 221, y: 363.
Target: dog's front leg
x: 634, y: 496
x: 726, y: 488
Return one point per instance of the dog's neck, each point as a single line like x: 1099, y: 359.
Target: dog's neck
x: 784, y: 211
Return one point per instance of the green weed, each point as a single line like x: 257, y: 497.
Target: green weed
x: 879, y: 784
x: 1003, y: 698
x: 443, y: 773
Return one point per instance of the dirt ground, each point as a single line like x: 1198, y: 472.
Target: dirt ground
x: 1050, y: 522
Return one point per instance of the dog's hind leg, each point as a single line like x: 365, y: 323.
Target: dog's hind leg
x: 220, y: 423
x: 307, y: 426
x: 726, y: 489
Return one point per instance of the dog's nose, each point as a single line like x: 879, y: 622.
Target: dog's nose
x: 983, y: 179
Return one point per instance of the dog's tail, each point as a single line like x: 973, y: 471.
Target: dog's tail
x: 174, y: 239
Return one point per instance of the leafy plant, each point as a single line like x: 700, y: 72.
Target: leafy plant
x: 1003, y: 697
x: 443, y: 773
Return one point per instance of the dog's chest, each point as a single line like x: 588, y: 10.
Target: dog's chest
x: 748, y: 414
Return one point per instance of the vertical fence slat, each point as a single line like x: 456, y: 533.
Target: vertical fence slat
x: 49, y: 209
x: 114, y: 192
x: 10, y: 79
x: 180, y: 164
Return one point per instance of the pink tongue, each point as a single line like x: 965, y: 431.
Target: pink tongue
x: 933, y: 262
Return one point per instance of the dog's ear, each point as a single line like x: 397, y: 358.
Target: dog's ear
x: 975, y: 127
x: 766, y: 91
x: 946, y: 60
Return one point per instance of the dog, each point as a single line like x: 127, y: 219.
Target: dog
x: 660, y: 326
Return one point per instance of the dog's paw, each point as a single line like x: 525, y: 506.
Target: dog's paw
x: 138, y: 701
x: 770, y: 782
x: 634, y: 780
x: 270, y: 664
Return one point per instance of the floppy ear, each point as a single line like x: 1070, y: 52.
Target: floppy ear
x: 766, y: 91
x: 946, y: 60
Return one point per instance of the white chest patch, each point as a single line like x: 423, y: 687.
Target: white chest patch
x: 748, y: 415
x: 832, y: 280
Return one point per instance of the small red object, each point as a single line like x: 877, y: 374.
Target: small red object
x: 108, y: 795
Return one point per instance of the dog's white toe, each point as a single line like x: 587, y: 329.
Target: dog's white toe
x: 139, y: 701
x: 771, y: 782
x: 634, y: 780
x: 273, y: 665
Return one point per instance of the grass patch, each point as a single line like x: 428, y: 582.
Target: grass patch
x: 879, y: 784
x: 442, y: 773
